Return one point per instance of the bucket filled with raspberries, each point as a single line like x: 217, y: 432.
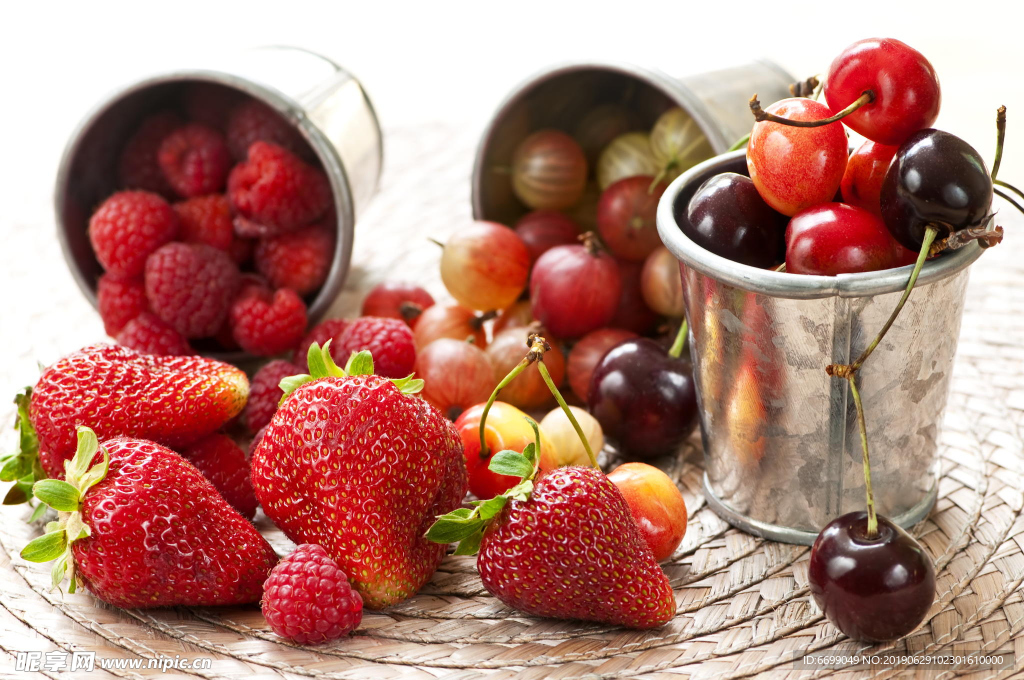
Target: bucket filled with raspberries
x: 207, y: 212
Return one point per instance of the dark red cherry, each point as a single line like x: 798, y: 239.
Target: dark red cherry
x: 872, y: 589
x: 865, y: 172
x: 542, y: 230
x: 633, y: 314
x: 935, y: 179
x: 575, y: 289
x: 644, y: 398
x: 728, y: 217
x: 835, y: 238
x: 906, y: 89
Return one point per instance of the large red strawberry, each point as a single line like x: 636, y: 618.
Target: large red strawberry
x: 358, y: 464
x: 141, y: 527
x: 173, y: 401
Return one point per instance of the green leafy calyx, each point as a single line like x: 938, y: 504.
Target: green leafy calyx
x: 321, y: 365
x: 66, y: 497
x: 22, y: 466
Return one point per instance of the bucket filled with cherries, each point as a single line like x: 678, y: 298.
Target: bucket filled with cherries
x: 798, y: 260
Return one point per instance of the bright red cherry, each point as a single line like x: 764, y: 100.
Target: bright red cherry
x: 397, y: 300
x: 626, y: 217
x: 656, y: 505
x: 865, y: 172
x: 906, y: 90
x: 796, y: 167
x: 575, y: 289
x: 835, y: 238
x: 633, y: 313
x: 542, y: 230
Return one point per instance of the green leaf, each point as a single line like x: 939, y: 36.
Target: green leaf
x: 46, y: 547
x: 16, y: 495
x: 359, y: 363
x: 58, y: 571
x: 321, y: 363
x: 13, y: 467
x: 460, y: 513
x: 76, y: 528
x: 521, y: 491
x: 409, y: 384
x: 59, y: 495
x: 38, y: 513
x: 470, y: 545
x: 530, y: 454
x: 446, y: 530
x: 492, y: 507
x: 292, y: 383
x: 88, y: 445
x: 510, y: 463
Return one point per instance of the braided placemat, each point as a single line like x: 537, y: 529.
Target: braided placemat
x: 743, y: 603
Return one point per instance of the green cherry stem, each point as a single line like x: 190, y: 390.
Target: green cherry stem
x: 1000, y: 138
x: 677, y: 345
x: 739, y: 143
x: 872, y: 517
x: 1006, y: 197
x: 565, y: 408
x: 535, y: 353
x: 761, y: 115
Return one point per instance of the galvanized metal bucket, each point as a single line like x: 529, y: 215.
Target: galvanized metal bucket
x: 560, y: 96
x: 325, y: 103
x: 781, y: 445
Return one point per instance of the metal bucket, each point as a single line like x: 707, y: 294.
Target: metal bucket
x: 324, y: 102
x: 562, y: 95
x: 781, y: 444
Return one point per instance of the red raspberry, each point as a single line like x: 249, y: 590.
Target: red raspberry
x: 277, y: 190
x: 298, y: 260
x: 120, y: 301
x: 190, y: 286
x: 147, y: 333
x: 242, y: 249
x: 206, y: 219
x: 127, y: 228
x: 397, y: 300
x: 307, y: 598
x: 253, y: 121
x: 209, y: 104
x: 265, y: 325
x: 265, y: 393
x: 388, y: 340
x: 331, y: 329
x: 138, y: 167
x: 224, y: 463
x: 195, y: 160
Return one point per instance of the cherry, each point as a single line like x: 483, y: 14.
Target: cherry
x: 656, y: 505
x: 575, y: 289
x: 450, y: 321
x: 644, y: 397
x: 456, y: 374
x: 936, y: 180
x: 796, y: 167
x: 587, y: 354
x: 661, y: 284
x: 835, y: 238
x: 633, y: 314
x: 568, y: 446
x: 872, y: 588
x: 542, y: 230
x: 626, y: 217
x: 905, y: 90
x: 728, y: 217
x: 865, y: 172
x: 485, y: 266
x: 397, y: 300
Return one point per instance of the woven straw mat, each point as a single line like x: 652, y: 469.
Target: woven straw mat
x: 743, y: 603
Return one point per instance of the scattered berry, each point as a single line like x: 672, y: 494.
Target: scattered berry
x: 307, y: 598
x: 265, y: 393
x: 388, y: 340
x: 224, y: 463
x: 397, y: 300
x: 298, y: 260
x: 265, y: 324
x: 331, y: 329
x: 149, y: 334
x: 190, y: 286
x: 120, y: 301
x: 138, y: 167
x: 206, y: 219
x: 195, y: 160
x: 129, y: 226
x: 253, y: 121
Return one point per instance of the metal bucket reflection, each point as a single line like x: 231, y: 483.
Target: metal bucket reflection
x: 781, y: 444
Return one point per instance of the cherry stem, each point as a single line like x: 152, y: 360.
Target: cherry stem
x: 409, y: 310
x: 662, y: 175
x: 591, y: 243
x: 565, y: 408
x: 739, y: 143
x: 1006, y: 197
x: 804, y: 88
x: 761, y: 115
x: 1000, y: 138
x: 478, y: 321
x: 436, y: 242
x: 538, y: 346
x: 781, y: 268
x: 872, y: 517
x: 1009, y: 186
x: 677, y: 345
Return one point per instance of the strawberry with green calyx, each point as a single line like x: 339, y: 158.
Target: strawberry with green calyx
x: 141, y: 527
x: 173, y: 401
x: 561, y: 543
x: 22, y: 466
x: 360, y: 465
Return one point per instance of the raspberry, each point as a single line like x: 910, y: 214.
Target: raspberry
x: 138, y: 167
x: 127, y: 228
x: 224, y: 463
x: 265, y: 393
x: 257, y: 438
x: 277, y: 190
x: 242, y: 250
x: 307, y: 598
x: 265, y: 325
x: 195, y: 160
x: 190, y: 286
x: 209, y: 104
x: 254, y: 121
x: 388, y: 340
x: 206, y: 219
x: 120, y: 301
x: 298, y: 260
x: 147, y: 333
x: 331, y: 329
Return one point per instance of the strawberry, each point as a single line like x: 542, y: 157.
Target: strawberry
x: 173, y: 401
x: 225, y: 464
x: 358, y: 464
x: 141, y: 527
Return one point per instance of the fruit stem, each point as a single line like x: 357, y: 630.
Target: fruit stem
x: 872, y: 517
x: 677, y: 344
x: 781, y: 268
x: 739, y: 143
x: 591, y: 243
x: 1006, y: 197
x: 565, y: 408
x: 435, y: 242
x: 761, y: 115
x: 538, y: 346
x: 409, y: 310
x: 478, y: 321
x: 804, y: 88
x: 661, y: 175
x: 1000, y: 138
